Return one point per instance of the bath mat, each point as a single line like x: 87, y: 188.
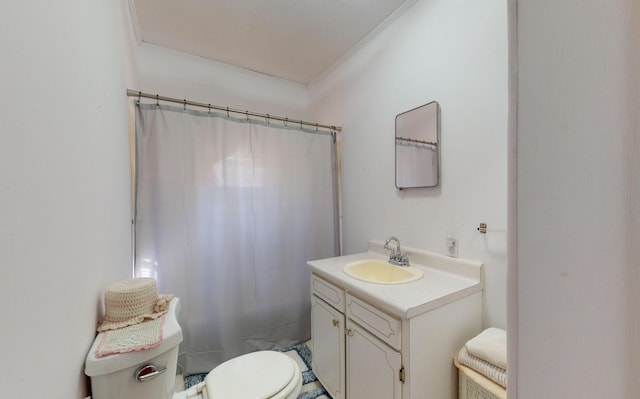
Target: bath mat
x: 141, y: 336
x: 311, y: 387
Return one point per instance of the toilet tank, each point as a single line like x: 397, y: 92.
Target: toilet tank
x: 114, y: 376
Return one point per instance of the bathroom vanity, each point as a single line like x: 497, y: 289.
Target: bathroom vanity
x: 393, y: 340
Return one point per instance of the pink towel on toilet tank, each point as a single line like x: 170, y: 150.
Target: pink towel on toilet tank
x: 138, y: 337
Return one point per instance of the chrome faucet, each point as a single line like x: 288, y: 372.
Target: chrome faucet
x: 396, y: 257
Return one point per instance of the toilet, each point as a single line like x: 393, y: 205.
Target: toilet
x: 150, y: 373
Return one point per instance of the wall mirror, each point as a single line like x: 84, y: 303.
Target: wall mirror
x: 418, y: 147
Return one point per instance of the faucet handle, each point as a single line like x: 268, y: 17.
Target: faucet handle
x: 396, y: 257
x: 401, y: 258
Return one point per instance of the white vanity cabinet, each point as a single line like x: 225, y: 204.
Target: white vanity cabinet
x: 349, y: 357
x: 328, y: 336
x: 374, y: 370
x: 373, y: 341
x: 374, y: 362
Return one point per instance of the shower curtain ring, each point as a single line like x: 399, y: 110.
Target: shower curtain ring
x: 139, y: 96
x: 157, y: 101
x: 209, y: 109
x: 227, y: 112
x: 185, y: 105
x: 316, y: 127
x: 267, y: 118
x: 247, y: 113
x: 286, y: 121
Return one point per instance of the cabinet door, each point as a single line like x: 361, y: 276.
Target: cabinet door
x: 373, y: 368
x: 327, y: 333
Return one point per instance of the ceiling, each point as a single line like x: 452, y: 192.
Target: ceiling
x: 297, y: 40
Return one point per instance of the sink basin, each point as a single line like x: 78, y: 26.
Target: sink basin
x: 382, y: 272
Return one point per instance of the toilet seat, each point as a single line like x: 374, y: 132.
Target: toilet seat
x: 262, y: 374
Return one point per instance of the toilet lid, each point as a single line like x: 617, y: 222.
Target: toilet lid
x: 255, y: 375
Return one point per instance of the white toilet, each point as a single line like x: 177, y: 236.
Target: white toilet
x: 150, y: 373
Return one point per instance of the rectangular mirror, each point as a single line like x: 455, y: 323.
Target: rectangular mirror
x: 417, y: 147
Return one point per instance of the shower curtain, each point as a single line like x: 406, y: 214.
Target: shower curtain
x: 228, y: 212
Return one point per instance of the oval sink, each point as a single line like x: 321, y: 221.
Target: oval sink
x: 382, y: 272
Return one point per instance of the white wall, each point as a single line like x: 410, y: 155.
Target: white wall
x: 454, y: 52
x: 64, y: 192
x: 179, y: 75
x: 576, y: 323
x: 64, y: 207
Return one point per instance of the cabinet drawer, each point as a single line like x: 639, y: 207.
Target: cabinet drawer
x: 331, y: 294
x: 378, y: 323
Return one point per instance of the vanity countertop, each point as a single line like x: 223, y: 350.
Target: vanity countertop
x: 445, y: 280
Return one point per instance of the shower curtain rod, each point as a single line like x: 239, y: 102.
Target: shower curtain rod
x: 267, y: 117
x: 416, y: 141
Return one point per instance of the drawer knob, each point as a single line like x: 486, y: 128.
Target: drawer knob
x: 335, y: 322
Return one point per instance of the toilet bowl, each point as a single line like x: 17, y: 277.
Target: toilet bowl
x: 150, y: 373
x: 263, y: 374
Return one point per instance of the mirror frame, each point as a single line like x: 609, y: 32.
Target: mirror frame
x: 418, y: 142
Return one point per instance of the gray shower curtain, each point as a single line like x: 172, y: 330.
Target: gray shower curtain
x: 228, y: 211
